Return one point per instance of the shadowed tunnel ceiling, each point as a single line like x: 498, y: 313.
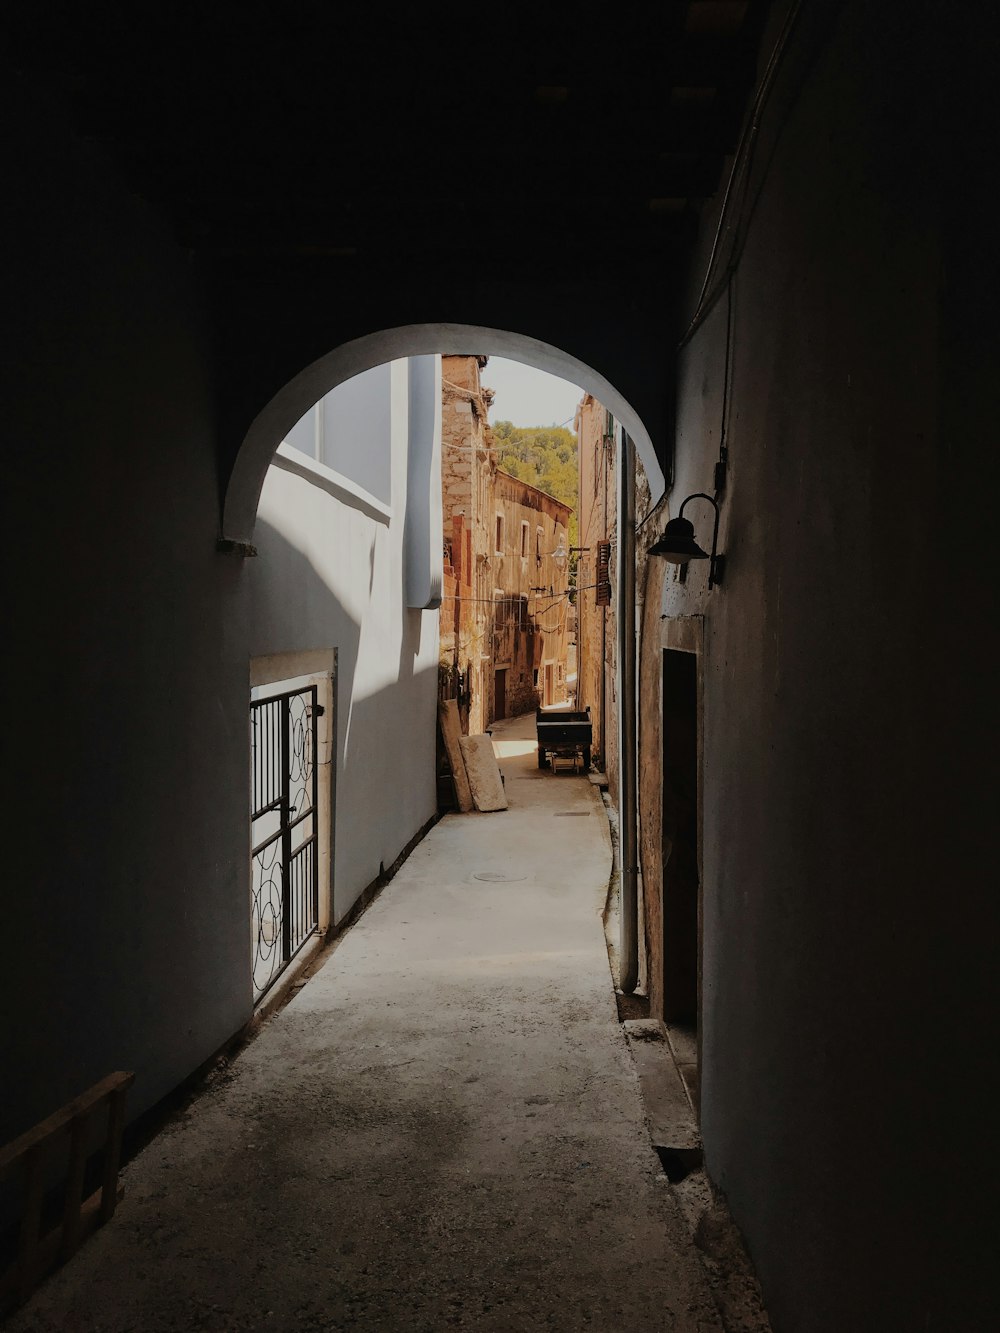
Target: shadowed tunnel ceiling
x: 334, y: 169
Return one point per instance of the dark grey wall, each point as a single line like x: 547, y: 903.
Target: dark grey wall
x: 125, y: 886
x: 848, y: 922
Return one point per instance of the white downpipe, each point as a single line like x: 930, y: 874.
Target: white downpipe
x: 628, y: 961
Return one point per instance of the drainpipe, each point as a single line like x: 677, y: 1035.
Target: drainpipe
x: 604, y: 615
x: 628, y: 953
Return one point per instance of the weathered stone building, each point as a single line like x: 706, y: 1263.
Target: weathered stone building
x: 599, y: 453
x: 595, y: 610
x: 531, y: 605
x: 504, y: 637
x: 467, y: 469
x: 596, y: 578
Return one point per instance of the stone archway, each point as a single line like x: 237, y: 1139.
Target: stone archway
x: 351, y: 358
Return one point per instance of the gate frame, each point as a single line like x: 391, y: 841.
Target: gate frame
x: 271, y: 676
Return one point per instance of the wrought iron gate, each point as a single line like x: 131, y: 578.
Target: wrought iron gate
x: 284, y: 906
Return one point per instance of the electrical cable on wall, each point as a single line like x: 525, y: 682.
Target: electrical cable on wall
x: 740, y: 173
x: 723, y: 463
x: 650, y: 512
x: 492, y: 601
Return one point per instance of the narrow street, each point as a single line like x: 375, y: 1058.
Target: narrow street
x: 442, y: 1129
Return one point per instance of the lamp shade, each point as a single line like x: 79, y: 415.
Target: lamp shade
x: 677, y: 543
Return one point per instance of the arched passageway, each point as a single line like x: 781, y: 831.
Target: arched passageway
x: 353, y: 570
x: 273, y: 422
x: 168, y: 286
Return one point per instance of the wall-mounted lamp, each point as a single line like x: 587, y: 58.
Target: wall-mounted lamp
x: 678, y: 545
x: 562, y: 552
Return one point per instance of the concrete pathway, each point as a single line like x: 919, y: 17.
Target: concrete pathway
x: 443, y: 1129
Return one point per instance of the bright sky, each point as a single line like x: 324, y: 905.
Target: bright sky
x: 529, y: 397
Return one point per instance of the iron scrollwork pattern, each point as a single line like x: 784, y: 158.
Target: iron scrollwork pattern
x: 284, y: 901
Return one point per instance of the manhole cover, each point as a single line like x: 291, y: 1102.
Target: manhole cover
x: 497, y: 877
x: 571, y: 814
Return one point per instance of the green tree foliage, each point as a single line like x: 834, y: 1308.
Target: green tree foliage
x: 545, y: 456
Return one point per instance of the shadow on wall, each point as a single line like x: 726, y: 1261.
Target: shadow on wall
x: 385, y: 784
x: 293, y: 608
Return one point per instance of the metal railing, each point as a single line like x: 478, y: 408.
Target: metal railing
x: 284, y: 904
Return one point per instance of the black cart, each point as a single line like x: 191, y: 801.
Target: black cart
x: 563, y: 734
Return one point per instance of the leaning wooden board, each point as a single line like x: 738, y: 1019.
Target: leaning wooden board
x: 484, y: 773
x: 41, y: 1244
x: 451, y: 731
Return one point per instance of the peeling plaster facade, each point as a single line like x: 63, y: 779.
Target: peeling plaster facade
x: 531, y: 609
x: 467, y: 471
x: 504, y: 643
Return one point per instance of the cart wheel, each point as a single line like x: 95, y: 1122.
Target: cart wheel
x: 541, y: 758
x: 586, y: 759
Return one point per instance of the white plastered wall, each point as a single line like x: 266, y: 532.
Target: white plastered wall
x: 331, y: 576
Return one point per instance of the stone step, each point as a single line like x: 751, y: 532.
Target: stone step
x: 672, y: 1124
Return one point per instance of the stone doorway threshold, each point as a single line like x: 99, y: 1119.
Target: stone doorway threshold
x: 659, y: 1057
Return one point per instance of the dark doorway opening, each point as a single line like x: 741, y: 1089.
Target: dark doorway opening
x: 499, y: 694
x: 681, y: 944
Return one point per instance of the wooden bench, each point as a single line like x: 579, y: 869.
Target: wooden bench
x: 37, y: 1253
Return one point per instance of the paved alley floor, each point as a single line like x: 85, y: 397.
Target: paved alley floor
x: 442, y: 1129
